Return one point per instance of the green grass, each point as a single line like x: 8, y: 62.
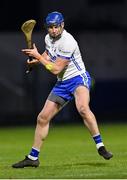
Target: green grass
x: 68, y: 153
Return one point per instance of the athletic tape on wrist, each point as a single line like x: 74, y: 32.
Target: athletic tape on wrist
x: 49, y: 66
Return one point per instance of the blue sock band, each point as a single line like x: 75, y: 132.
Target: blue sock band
x: 97, y: 139
x: 34, y: 152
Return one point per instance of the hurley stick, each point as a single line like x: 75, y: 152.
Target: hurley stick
x: 27, y: 28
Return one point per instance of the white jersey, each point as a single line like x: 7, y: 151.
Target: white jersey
x: 67, y: 48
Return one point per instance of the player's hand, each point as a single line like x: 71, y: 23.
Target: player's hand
x: 32, y: 52
x: 32, y: 62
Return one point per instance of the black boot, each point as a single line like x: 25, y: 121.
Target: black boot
x: 26, y: 163
x: 103, y: 152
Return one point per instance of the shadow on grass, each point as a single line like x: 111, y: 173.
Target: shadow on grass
x: 92, y: 164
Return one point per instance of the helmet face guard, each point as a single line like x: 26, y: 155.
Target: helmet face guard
x: 54, y: 18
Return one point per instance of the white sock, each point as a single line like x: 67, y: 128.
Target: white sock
x: 99, y: 145
x: 32, y: 157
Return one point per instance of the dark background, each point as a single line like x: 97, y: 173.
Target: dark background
x: 100, y: 27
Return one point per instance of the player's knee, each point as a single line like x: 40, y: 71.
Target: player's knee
x: 42, y: 119
x: 83, y: 111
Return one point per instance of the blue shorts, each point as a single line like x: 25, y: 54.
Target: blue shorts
x: 65, y: 89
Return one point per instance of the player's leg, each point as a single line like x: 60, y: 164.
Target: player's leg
x: 82, y: 104
x: 82, y: 99
x: 49, y: 110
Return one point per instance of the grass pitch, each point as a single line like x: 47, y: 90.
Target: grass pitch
x: 68, y: 153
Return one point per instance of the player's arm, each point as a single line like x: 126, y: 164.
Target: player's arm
x: 34, y: 61
x: 54, y: 67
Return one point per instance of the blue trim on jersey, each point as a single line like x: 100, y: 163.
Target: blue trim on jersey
x: 76, y: 64
x: 84, y: 75
x: 63, y: 57
x: 53, y: 58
